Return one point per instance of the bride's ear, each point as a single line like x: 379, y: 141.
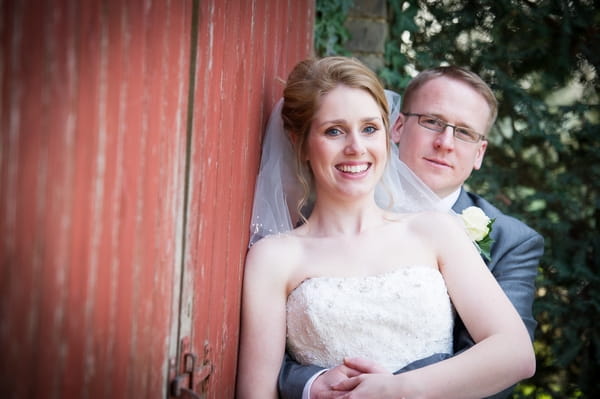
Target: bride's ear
x: 294, y: 140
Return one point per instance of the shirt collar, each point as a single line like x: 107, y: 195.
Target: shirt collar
x: 448, y: 201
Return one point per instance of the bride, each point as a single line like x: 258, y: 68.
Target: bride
x: 375, y: 271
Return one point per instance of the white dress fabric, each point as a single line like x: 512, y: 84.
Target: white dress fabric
x: 393, y: 318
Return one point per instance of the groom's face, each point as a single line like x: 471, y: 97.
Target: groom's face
x: 442, y: 161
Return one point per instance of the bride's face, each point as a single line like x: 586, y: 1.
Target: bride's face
x: 346, y: 146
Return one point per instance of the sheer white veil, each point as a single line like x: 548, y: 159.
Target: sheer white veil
x: 278, y: 189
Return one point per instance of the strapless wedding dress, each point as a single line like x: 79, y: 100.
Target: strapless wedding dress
x: 393, y: 318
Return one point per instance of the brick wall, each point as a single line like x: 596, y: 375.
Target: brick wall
x: 368, y: 27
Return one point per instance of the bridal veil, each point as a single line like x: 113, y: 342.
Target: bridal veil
x: 278, y: 190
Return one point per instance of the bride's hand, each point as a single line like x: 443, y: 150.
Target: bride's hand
x: 366, y: 386
x: 361, y: 365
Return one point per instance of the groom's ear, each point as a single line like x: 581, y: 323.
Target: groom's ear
x: 397, y: 128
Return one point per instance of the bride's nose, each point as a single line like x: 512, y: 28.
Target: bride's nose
x: 354, y: 144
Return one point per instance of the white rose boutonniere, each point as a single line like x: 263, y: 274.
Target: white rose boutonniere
x: 478, y: 226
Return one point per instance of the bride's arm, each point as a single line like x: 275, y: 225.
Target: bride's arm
x: 262, y: 336
x: 503, y: 353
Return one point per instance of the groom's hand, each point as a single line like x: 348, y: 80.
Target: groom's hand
x: 371, y: 381
x: 322, y: 387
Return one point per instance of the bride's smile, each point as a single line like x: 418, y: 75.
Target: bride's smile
x: 353, y: 168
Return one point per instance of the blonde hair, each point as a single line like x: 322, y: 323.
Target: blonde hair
x: 308, y: 82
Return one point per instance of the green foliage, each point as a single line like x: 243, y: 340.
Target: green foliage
x: 543, y: 162
x: 330, y: 32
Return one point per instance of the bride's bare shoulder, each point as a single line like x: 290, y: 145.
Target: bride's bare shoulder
x: 434, y: 221
x: 287, y: 238
x: 277, y: 250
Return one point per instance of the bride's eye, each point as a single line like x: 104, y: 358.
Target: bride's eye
x: 333, y: 132
x: 370, y: 130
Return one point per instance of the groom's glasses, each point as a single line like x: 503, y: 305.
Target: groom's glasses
x: 439, y: 125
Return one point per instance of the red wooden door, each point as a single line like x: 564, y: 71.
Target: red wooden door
x: 238, y: 81
x: 93, y: 157
x: 129, y: 144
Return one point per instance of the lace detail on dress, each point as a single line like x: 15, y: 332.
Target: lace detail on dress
x: 393, y: 318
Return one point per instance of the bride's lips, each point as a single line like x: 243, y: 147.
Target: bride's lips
x: 353, y: 168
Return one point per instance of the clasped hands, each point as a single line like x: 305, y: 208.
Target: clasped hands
x: 354, y: 379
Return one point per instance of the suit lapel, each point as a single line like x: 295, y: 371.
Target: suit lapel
x: 463, y: 201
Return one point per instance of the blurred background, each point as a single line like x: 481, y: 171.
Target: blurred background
x: 542, y: 59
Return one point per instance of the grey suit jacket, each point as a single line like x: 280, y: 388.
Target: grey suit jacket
x: 515, y: 256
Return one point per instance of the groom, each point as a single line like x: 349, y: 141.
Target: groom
x: 446, y: 115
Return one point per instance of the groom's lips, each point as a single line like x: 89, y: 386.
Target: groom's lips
x: 438, y: 162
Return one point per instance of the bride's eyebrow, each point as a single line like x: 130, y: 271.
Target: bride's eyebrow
x: 344, y: 121
x: 332, y: 122
x: 372, y: 119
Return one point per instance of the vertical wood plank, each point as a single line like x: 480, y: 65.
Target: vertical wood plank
x: 93, y: 109
x: 242, y: 51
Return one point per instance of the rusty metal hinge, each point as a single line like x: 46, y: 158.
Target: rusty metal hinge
x: 193, y: 373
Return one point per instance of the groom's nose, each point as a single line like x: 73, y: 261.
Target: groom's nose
x: 445, y: 139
